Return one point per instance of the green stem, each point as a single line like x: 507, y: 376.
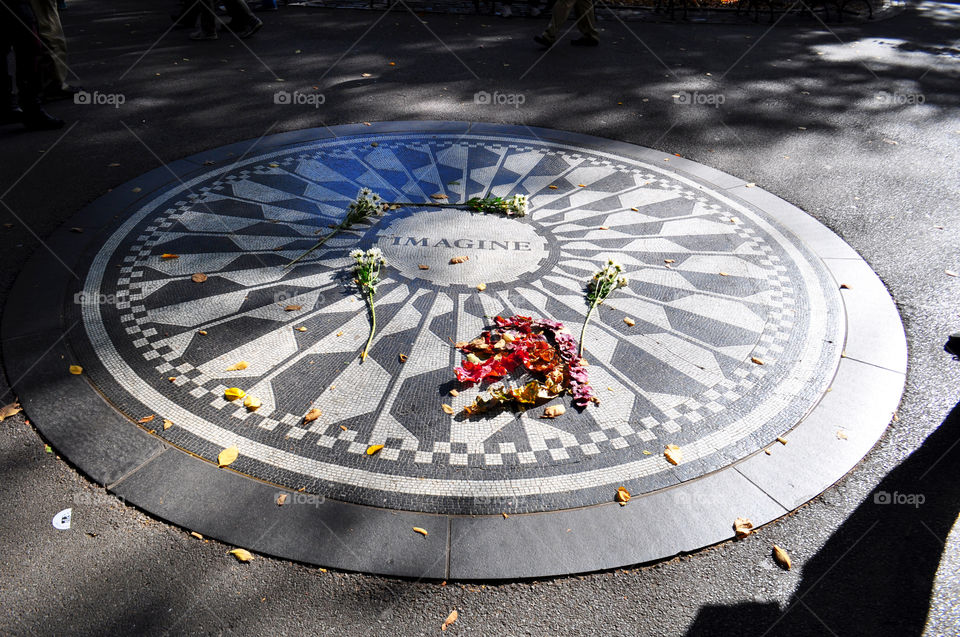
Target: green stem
x: 585, y: 321
x: 373, y: 326
x: 318, y: 244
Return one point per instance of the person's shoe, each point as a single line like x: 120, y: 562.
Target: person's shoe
x: 203, y: 35
x: 252, y: 28
x: 542, y: 41
x: 11, y: 115
x: 534, y: 12
x: 39, y: 119
x: 585, y: 41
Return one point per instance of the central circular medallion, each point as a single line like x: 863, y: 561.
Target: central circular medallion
x: 424, y: 245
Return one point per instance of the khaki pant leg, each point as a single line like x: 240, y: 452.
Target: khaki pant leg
x: 54, y: 56
x: 585, y: 18
x: 561, y: 10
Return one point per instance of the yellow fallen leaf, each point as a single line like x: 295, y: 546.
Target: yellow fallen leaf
x: 238, y: 366
x: 553, y: 411
x: 234, y: 393
x: 76, y: 370
x: 447, y: 409
x: 202, y: 332
x: 301, y: 329
x: 402, y: 357
x: 456, y: 260
x: 505, y: 516
x: 372, y: 449
x: 635, y: 209
x: 293, y: 308
x: 227, y: 456
x: 439, y: 196
x: 167, y: 255
x: 242, y: 555
x: 281, y: 499
x: 9, y: 410
x: 147, y: 419
x: 756, y: 361
x: 196, y: 535
x: 552, y: 187
x: 841, y: 435
x: 344, y: 427
x: 312, y: 415
x: 423, y: 267
x: 454, y: 392
x: 364, y: 75
x: 172, y: 378
x: 252, y: 403
x: 199, y: 277
x: 673, y: 454
x: 340, y: 333
x: 844, y: 286
x: 482, y: 287
x: 781, y: 440
x: 723, y: 274
x: 581, y: 185
x: 167, y: 424
x: 782, y: 557
x: 417, y: 529
x: 629, y: 321
x: 452, y: 617
x: 742, y: 527
x: 647, y: 453
x: 623, y: 496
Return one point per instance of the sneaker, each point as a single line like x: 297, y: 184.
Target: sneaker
x: 585, y: 41
x: 252, y: 28
x: 542, y: 41
x: 203, y: 35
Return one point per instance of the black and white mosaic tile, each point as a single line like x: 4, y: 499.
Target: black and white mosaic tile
x: 714, y: 284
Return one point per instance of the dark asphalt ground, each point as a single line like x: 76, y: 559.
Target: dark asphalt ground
x: 825, y: 118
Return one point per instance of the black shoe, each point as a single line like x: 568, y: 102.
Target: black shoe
x: 542, y: 41
x: 39, y: 119
x: 585, y: 41
x: 252, y: 28
x: 11, y: 115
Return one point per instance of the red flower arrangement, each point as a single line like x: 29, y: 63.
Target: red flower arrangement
x: 538, y: 346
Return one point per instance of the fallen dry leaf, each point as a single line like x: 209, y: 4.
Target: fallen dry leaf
x: 456, y: 260
x: 447, y: 409
x: 167, y: 424
x: 202, y: 332
x: 76, y: 370
x: 553, y: 411
x: 950, y: 273
x: 372, y: 449
x: 417, y: 529
x: 623, y: 496
x: 841, y: 435
x: 454, y: 392
x: 301, y: 329
x: 635, y: 209
x: 364, y: 75
x: 723, y: 274
x: 402, y: 357
x: 340, y: 333
x: 196, y: 535
x: 281, y: 499
x: 669, y: 260
x: 742, y: 527
x: 581, y: 185
x: 673, y: 454
x: 781, y: 440
x: 9, y: 410
x: 199, y: 277
x: 482, y: 287
x: 147, y: 419
x: 242, y: 555
x: 423, y: 267
x: 552, y: 187
x: 756, y: 361
x: 234, y: 393
x: 252, y: 403
x: 439, y: 196
x: 751, y: 185
x: 227, y: 456
x: 452, y: 617
x: 168, y: 256
x: 238, y: 366
x: 782, y: 557
x: 505, y: 516
x: 172, y: 378
x: 344, y: 427
x: 312, y: 415
x: 629, y: 321
x: 293, y: 308
x: 604, y: 227
x: 844, y: 286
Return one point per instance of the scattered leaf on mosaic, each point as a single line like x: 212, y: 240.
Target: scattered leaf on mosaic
x: 553, y: 411
x: 423, y: 267
x: 552, y: 187
x: 505, y: 516
x: 312, y: 415
x: 950, y: 273
x: 623, y: 496
x: 482, y: 287
x: 202, y: 332
x: 238, y: 366
x: 199, y: 277
x: 172, y: 379
x: 751, y: 185
x: 147, y: 419
x: 402, y: 357
x: 723, y: 274
x: 252, y: 403
x: 293, y: 308
x: 167, y: 424
x: 841, y: 435
x: 452, y: 617
x: 76, y: 370
x: 781, y: 440
x: 227, y: 456
x: 673, y: 454
x: 629, y: 321
x: 742, y: 527
x: 462, y: 259
x: 782, y: 557
x: 196, y: 535
x: 9, y: 410
x: 234, y: 393
x: 242, y: 555
x: 447, y: 409
x: 344, y: 427
x: 168, y: 256
x: 417, y: 529
x: 756, y: 361
x: 454, y: 393
x: 281, y: 499
x: 669, y: 261
x: 604, y: 228
x: 372, y: 449
x: 301, y: 329
x: 844, y: 286
x: 48, y: 448
x: 439, y: 196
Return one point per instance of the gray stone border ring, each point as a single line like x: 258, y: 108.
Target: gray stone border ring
x: 749, y: 361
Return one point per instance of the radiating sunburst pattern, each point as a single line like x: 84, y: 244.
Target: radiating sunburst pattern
x: 715, y: 290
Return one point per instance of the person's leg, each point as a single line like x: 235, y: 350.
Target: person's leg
x: 208, y: 22
x: 242, y: 21
x: 53, y: 55
x: 561, y: 11
x: 20, y: 29
x: 585, y: 21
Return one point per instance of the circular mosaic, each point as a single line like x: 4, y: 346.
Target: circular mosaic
x: 735, y: 329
